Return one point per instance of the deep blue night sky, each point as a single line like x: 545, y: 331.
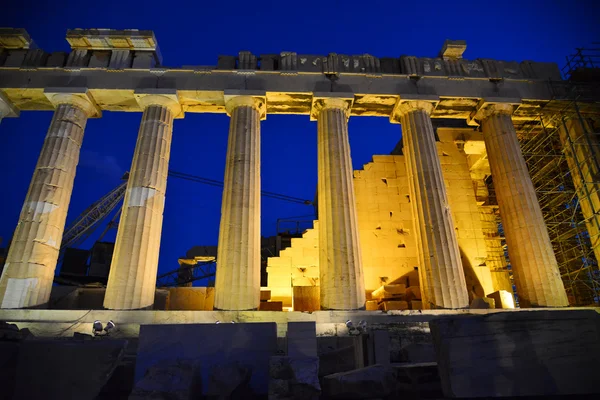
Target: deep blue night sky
x: 195, y: 33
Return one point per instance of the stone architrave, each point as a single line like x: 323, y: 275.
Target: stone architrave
x: 237, y: 281
x: 31, y: 261
x: 534, y: 265
x: 341, y: 274
x: 441, y: 274
x: 132, y: 277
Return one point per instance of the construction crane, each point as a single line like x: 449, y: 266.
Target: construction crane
x: 89, y: 220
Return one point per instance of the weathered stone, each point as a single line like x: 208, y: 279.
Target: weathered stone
x: 249, y: 345
x: 169, y: 379
x: 237, y: 283
x: 482, y: 303
x: 527, y: 353
x: 533, y: 262
x: 340, y: 263
x: 12, y: 332
x: 418, y: 380
x: 270, y: 306
x: 31, y: 260
x: 301, y: 339
x: 502, y: 299
x: 121, y: 383
x: 416, y: 305
x: 371, y: 305
x: 340, y: 354
x: 443, y: 281
x: 132, y: 277
x: 229, y: 381
x: 418, y: 353
x: 365, y: 383
x: 294, y: 378
x: 378, y: 347
x: 389, y: 291
x: 393, y: 305
x: 413, y: 293
x: 53, y: 369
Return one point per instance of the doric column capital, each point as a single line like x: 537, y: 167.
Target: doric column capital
x: 331, y: 100
x: 7, y: 109
x: 160, y: 97
x: 407, y: 104
x: 489, y: 106
x: 246, y: 98
x: 77, y: 97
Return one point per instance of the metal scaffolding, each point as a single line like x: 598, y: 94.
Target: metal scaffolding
x: 547, y: 158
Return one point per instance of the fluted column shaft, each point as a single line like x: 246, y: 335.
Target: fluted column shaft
x: 442, y: 277
x: 533, y: 261
x: 237, y: 282
x: 582, y: 152
x: 340, y: 264
x: 31, y: 261
x: 132, y: 277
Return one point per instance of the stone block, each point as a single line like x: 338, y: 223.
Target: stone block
x: 502, y: 299
x: 413, y: 293
x: 294, y: 378
x: 340, y: 354
x: 482, y: 303
x: 376, y: 381
x: 229, y: 381
x: 371, y: 305
x: 187, y: 298
x: 520, y: 353
x: 301, y: 339
x: 418, y: 353
x: 59, y: 369
x: 306, y: 298
x: 213, y: 346
x: 170, y: 379
x: 389, y: 291
x: 265, y: 295
x: 418, y: 380
x: 416, y: 305
x: 410, y: 278
x: 271, y: 306
x: 378, y: 347
x: 393, y: 305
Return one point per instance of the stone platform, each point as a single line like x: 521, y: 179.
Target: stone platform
x: 64, y: 323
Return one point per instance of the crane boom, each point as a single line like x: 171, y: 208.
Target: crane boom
x: 84, y: 225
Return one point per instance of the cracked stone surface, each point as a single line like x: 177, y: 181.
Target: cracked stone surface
x: 237, y: 281
x: 30, y: 264
x: 532, y: 258
x: 132, y: 278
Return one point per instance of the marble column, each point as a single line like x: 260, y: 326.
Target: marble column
x: 340, y: 265
x: 6, y: 108
x: 237, y: 281
x: 582, y: 152
x: 441, y: 273
x: 534, y: 265
x: 132, y: 277
x: 31, y: 261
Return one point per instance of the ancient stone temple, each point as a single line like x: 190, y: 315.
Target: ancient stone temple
x: 421, y: 212
x: 401, y: 287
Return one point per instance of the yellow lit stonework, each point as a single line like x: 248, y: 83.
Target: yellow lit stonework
x: 385, y: 223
